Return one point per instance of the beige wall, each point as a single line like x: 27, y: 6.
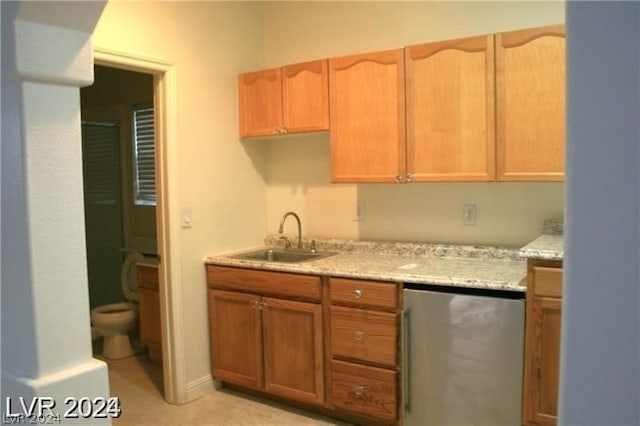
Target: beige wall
x: 298, y: 167
x: 238, y: 191
x: 217, y: 177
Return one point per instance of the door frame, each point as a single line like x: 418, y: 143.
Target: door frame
x: 164, y: 88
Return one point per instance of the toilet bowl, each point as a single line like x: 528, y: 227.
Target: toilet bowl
x: 116, y: 320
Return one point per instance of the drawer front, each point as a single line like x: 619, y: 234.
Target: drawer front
x: 364, y: 390
x: 362, y: 293
x: 264, y: 282
x: 364, y: 335
x: 547, y: 281
x: 147, y: 277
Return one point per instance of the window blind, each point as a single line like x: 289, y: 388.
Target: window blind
x: 101, y: 163
x: 145, y: 156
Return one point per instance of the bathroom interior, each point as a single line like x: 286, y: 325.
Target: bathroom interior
x: 120, y: 213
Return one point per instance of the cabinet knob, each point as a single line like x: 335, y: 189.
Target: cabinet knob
x: 358, y: 390
x: 359, y: 335
x: 410, y: 177
x: 399, y: 179
x: 357, y: 293
x: 254, y: 304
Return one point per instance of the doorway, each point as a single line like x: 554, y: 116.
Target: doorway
x: 118, y: 145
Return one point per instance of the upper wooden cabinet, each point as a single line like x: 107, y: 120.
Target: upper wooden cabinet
x: 367, y: 117
x: 291, y: 99
x: 530, y: 84
x: 450, y: 110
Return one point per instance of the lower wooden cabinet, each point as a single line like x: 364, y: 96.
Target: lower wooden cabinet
x: 542, y: 353
x: 364, y: 350
x: 266, y: 342
x: 329, y: 344
x: 149, y: 310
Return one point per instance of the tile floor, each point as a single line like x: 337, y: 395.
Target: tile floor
x: 138, y: 384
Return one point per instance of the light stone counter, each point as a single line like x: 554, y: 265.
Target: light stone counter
x: 549, y: 245
x: 494, y: 268
x: 545, y: 247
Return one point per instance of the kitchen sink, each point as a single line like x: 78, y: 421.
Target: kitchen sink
x: 280, y: 255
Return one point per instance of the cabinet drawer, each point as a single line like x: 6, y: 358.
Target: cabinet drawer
x: 364, y: 293
x: 364, y: 335
x: 263, y: 282
x: 547, y: 281
x: 364, y: 390
x: 147, y: 277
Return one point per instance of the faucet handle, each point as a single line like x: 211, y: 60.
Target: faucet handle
x: 287, y: 243
x: 313, y: 246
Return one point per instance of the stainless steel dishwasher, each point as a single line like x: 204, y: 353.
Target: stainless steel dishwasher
x: 462, y: 356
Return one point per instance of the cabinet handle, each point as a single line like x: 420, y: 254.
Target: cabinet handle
x: 357, y: 293
x: 284, y: 130
x: 257, y: 304
x: 359, y: 335
x: 410, y: 177
x: 358, y: 390
x: 399, y: 179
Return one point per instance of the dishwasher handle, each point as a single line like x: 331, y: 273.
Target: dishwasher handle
x: 406, y: 360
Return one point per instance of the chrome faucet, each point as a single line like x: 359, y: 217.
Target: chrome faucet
x: 299, y: 226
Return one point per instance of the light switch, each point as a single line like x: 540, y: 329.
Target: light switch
x: 186, y: 217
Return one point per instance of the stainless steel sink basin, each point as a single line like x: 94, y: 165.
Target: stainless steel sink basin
x: 280, y: 255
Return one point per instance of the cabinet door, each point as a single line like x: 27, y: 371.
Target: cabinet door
x: 149, y: 311
x: 450, y: 110
x: 293, y: 350
x: 260, y: 103
x: 543, y: 362
x: 530, y: 84
x: 236, y: 337
x: 305, y: 97
x: 367, y: 118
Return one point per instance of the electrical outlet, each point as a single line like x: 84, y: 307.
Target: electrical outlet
x: 469, y: 214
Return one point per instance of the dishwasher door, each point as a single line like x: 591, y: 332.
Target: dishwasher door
x: 462, y: 357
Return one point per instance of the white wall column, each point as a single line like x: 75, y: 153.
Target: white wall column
x: 46, y: 344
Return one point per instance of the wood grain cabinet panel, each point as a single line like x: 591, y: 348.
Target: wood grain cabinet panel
x: 291, y: 99
x: 364, y: 294
x: 305, y: 97
x: 260, y: 103
x: 267, y: 343
x: 149, y: 310
x: 451, y: 110
x: 293, y: 349
x: 367, y: 117
x: 365, y: 390
x: 364, y: 350
x: 531, y: 94
x: 235, y: 328
x: 364, y: 335
x: 542, y: 354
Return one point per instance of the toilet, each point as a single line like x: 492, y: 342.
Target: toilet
x: 116, y: 320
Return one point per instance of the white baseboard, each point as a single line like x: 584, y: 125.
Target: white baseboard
x: 203, y: 385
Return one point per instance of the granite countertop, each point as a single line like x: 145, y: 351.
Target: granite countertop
x: 545, y: 247
x: 483, y: 267
x: 549, y: 245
